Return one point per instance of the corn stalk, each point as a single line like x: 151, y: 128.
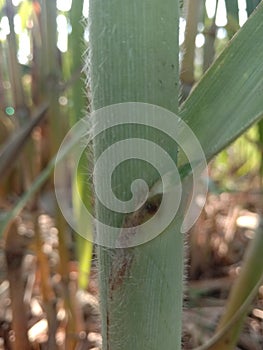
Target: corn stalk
x: 134, y: 57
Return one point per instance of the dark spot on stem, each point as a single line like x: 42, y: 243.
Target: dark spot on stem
x: 151, y: 207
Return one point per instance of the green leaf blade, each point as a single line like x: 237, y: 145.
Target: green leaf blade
x: 229, y: 97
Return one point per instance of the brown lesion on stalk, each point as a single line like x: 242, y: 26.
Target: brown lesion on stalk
x: 137, y: 218
x: 124, y: 256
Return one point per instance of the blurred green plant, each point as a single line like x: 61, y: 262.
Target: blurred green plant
x: 37, y: 99
x: 39, y: 81
x: 231, y: 168
x: 223, y: 105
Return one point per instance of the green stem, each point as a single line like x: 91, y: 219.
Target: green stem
x: 81, y: 183
x: 134, y: 58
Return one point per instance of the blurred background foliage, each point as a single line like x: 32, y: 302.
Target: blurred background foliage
x: 212, y: 24
x: 29, y: 77
x: 42, y: 94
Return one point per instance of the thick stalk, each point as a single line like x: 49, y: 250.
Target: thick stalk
x: 134, y: 58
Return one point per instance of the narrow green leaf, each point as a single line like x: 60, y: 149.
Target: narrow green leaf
x: 242, y: 294
x: 228, y: 99
x: 250, y: 276
x: 84, y: 247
